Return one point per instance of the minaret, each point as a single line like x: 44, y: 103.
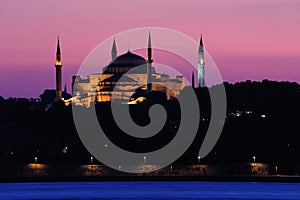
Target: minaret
x: 114, y: 53
x: 201, y: 64
x: 193, y: 80
x: 149, y: 66
x: 58, y: 67
x: 65, y: 90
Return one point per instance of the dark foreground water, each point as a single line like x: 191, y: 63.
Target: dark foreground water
x: 149, y: 190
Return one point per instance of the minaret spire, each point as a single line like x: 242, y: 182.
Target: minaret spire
x: 114, y: 53
x: 58, y: 67
x: 149, y: 65
x: 149, y: 48
x: 201, y: 63
x: 58, y: 53
x: 65, y: 90
x: 193, y: 80
x: 201, y: 44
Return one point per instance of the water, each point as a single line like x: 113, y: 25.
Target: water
x: 149, y: 190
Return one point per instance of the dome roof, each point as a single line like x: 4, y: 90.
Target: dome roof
x: 124, y: 63
x: 128, y: 60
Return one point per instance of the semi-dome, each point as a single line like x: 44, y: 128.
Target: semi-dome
x: 124, y: 63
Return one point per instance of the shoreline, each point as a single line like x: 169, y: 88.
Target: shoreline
x: 285, y: 179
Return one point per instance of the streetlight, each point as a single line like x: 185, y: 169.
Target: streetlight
x: 35, y: 160
x: 92, y: 159
x: 199, y: 159
x: 145, y: 159
x: 254, y: 158
x: 199, y: 163
x: 65, y: 150
x: 254, y: 170
x: 276, y: 169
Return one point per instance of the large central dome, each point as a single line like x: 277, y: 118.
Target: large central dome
x: 128, y: 59
x: 124, y: 63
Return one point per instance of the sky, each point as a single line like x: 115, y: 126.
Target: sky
x: 251, y: 39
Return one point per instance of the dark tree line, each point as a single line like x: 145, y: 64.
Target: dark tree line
x: 262, y: 120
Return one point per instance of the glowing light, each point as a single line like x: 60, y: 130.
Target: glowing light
x: 263, y: 116
x: 201, y: 61
x: 65, y: 150
x: 254, y: 158
x: 138, y: 100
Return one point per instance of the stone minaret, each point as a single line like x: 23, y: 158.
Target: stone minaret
x: 114, y: 53
x: 58, y: 67
x: 65, y: 90
x: 193, y: 80
x: 201, y: 64
x: 149, y: 66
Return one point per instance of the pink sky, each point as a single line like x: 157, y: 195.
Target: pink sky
x: 257, y: 39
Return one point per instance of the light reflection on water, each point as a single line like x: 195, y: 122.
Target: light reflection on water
x: 150, y: 190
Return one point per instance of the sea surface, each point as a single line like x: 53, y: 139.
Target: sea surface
x: 149, y: 190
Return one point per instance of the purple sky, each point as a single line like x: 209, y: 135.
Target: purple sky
x: 254, y: 39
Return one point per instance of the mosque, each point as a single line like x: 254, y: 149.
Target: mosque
x: 128, y: 78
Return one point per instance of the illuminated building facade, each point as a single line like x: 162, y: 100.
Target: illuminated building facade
x: 120, y: 79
